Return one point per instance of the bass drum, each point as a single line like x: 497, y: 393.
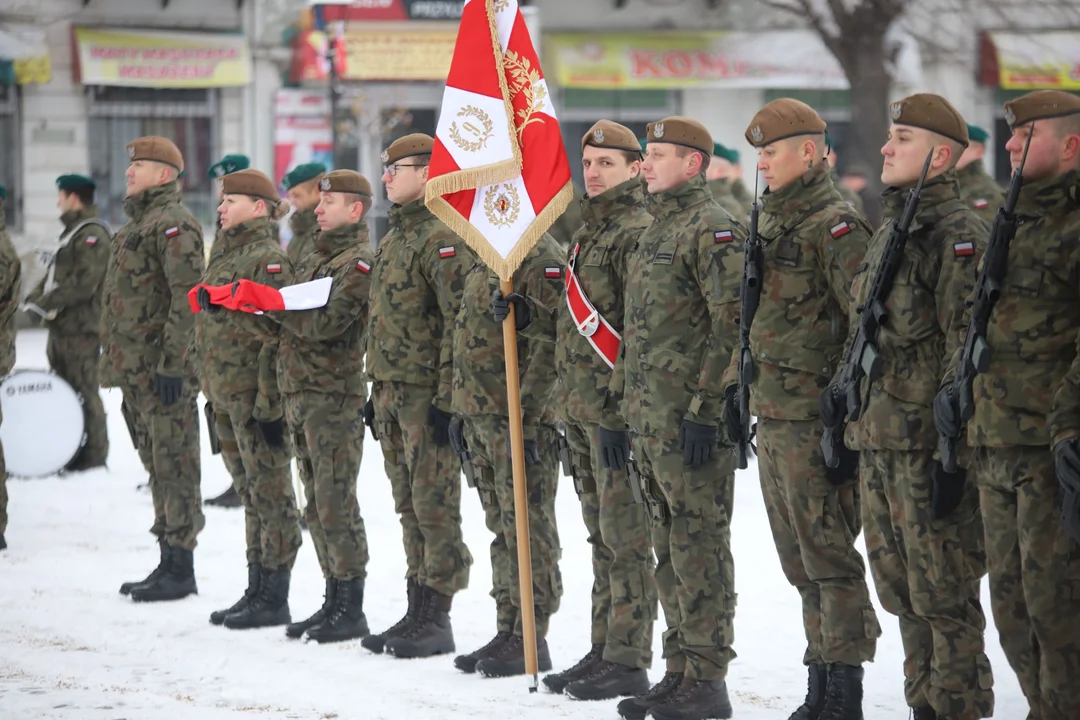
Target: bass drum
x: 43, y: 427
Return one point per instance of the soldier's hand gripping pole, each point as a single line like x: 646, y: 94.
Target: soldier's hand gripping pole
x: 750, y: 297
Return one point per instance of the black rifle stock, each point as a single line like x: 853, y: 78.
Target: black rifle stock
x: 750, y: 297
x: 861, y: 358
x: 975, y: 357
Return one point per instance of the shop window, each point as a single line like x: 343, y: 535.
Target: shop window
x: 10, y: 156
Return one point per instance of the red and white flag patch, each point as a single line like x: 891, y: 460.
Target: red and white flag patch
x: 840, y: 229
x: 722, y: 236
x: 552, y: 272
x: 172, y: 232
x: 963, y: 249
x: 273, y: 268
x: 980, y: 204
x: 363, y: 267
x: 91, y: 240
x: 447, y: 252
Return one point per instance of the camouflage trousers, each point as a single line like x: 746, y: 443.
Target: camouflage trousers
x: 75, y: 359
x: 624, y: 582
x: 695, y: 572
x: 167, y: 438
x: 927, y: 574
x: 262, y: 477
x: 814, y: 525
x: 328, y: 439
x: 426, y: 481
x: 488, y: 448
x: 1034, y: 576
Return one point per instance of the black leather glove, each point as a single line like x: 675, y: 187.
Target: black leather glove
x: 1067, y: 467
x: 273, y: 432
x: 531, y: 448
x: 202, y: 297
x: 369, y: 418
x: 500, y: 307
x: 457, y: 435
x: 168, y: 389
x: 831, y: 407
x: 614, y: 448
x: 947, y: 490
x: 439, y: 421
x: 731, y: 413
x: 846, y: 470
x: 698, y: 443
x: 947, y: 413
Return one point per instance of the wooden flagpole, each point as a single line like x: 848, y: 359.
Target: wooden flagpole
x: 521, y: 495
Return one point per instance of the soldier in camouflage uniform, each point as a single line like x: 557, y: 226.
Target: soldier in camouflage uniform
x: 812, y: 244
x: 738, y: 186
x: 624, y: 587
x: 238, y: 356
x: 719, y: 180
x: 482, y: 429
x: 679, y: 330
x: 567, y: 224
x: 69, y: 298
x: 10, y: 274
x: 922, y: 526
x: 302, y: 190
x: 845, y: 192
x: 1028, y: 402
x: 977, y: 188
x: 416, y: 284
x: 146, y: 333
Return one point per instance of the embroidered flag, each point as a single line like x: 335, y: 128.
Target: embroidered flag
x: 447, y: 252
x: 91, y: 240
x: 552, y: 272
x: 363, y: 267
x: 963, y: 249
x: 273, y: 268
x: 840, y: 230
x: 172, y: 232
x: 722, y: 236
x: 980, y: 204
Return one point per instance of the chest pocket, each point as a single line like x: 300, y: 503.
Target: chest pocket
x: 1026, y: 282
x: 597, y: 256
x: 788, y: 253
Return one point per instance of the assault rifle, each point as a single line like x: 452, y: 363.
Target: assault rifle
x: 975, y: 357
x: 749, y: 297
x: 862, y: 358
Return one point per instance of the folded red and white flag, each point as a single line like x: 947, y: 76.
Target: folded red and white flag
x: 253, y: 297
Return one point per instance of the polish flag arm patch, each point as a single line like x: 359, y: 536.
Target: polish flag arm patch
x: 91, y: 241
x: 840, y: 229
x: 363, y: 267
x: 722, y: 236
x: 273, y: 268
x: 980, y: 204
x: 963, y: 249
x: 172, y: 232
x: 552, y: 272
x: 447, y: 252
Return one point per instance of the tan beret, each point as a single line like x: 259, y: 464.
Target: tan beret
x: 611, y: 135
x: 1040, y: 105
x: 680, y: 131
x: 345, y: 181
x: 783, y: 118
x: 930, y: 112
x: 249, y: 182
x: 408, y: 146
x: 156, y: 148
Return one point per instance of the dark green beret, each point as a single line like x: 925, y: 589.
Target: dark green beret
x: 643, y: 142
x: 977, y: 134
x: 730, y: 154
x: 228, y: 164
x: 303, y: 173
x: 3, y: 193
x: 71, y: 183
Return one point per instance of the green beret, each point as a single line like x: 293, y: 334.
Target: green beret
x: 977, y: 134
x: 303, y: 173
x: 643, y: 142
x: 71, y: 183
x: 3, y: 193
x: 228, y: 164
x: 718, y: 150
x: 730, y: 154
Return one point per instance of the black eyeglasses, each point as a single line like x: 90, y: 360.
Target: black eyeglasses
x: 392, y: 170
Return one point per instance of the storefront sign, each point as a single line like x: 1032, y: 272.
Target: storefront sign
x: 1033, y: 60
x: 377, y: 55
x: 161, y: 59
x: 24, y: 56
x: 324, y: 12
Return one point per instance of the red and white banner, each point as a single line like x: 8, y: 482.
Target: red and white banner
x: 499, y: 173
x: 253, y: 297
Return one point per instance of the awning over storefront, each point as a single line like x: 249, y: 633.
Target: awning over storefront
x: 24, y: 57
x: 1031, y: 60
x: 145, y: 58
x: 392, y: 53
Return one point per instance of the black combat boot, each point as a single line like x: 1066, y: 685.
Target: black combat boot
x: 467, y: 663
x: 431, y: 633
x: 924, y: 713
x: 270, y: 607
x: 635, y: 708
x: 815, y: 693
x: 227, y: 499
x: 509, y: 659
x: 127, y: 587
x: 346, y: 620
x: 295, y: 630
x: 608, y: 681
x: 843, y: 695
x: 695, y: 700
x: 254, y: 575
x: 176, y: 582
x: 376, y: 643
x: 583, y: 668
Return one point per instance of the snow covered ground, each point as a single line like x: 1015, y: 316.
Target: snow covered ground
x: 72, y: 647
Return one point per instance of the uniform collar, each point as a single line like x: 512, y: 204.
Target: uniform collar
x: 409, y: 215
x: 1053, y: 196
x: 245, y: 233
x: 813, y: 188
x: 971, y: 171
x: 160, y: 196
x: 331, y: 242
x: 937, y: 192
x: 73, y: 217
x: 303, y: 221
x: 595, y: 211
x: 686, y: 195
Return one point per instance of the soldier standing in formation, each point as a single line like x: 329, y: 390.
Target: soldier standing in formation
x: 977, y: 188
x: 482, y: 428
x: 846, y: 193
x: 719, y: 180
x: 1028, y: 403
x: 624, y: 586
x: 146, y: 333
x: 69, y: 296
x: 679, y: 332
x: 419, y: 272
x: 923, y: 533
x: 238, y: 357
x: 10, y: 275
x: 302, y: 191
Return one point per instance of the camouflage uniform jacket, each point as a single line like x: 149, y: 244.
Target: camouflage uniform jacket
x: 304, y: 225
x: 742, y: 195
x: 322, y: 350
x: 722, y: 193
x: 154, y: 260
x: 238, y: 352
x: 416, y: 284
x: 1030, y: 394
x: 980, y: 191
x: 479, y: 365
x: 614, y: 221
x: 813, y: 242
x: 681, y: 324
x: 10, y: 275
x: 925, y: 322
x: 568, y: 223
x: 78, y: 271
x: 845, y: 192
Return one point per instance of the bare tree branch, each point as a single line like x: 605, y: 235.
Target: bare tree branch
x: 818, y: 23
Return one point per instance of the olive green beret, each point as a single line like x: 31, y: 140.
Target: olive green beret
x: 345, y: 181
x: 228, y: 164
x: 1040, y: 105
x: 408, y: 146
x: 249, y: 182
x: 611, y: 135
x: 156, y: 148
x: 977, y: 134
x: 781, y: 119
x: 71, y: 183
x: 680, y: 131
x: 930, y: 112
x: 303, y: 173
